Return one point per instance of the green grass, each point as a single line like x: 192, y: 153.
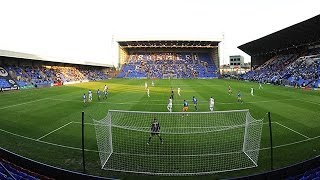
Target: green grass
x: 27, y: 116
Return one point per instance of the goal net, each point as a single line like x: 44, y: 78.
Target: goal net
x: 193, y: 143
x: 170, y: 76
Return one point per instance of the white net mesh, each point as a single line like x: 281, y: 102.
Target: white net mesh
x: 169, y: 76
x: 193, y: 143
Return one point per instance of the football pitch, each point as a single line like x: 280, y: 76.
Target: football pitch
x: 45, y: 124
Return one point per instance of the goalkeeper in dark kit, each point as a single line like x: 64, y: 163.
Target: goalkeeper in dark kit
x: 155, y: 130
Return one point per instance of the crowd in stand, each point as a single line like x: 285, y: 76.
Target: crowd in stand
x: 27, y: 75
x: 301, y: 69
x: 157, y: 65
x: 12, y: 171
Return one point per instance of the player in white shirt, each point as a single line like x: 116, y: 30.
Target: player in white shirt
x: 148, y: 92
x: 252, y: 91
x: 211, y: 104
x: 152, y: 83
x: 169, y: 107
x: 90, y: 95
x: 145, y: 85
x: 260, y: 85
x: 106, y: 91
x: 105, y: 88
x: 179, y: 91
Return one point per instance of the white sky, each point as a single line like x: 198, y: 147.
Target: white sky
x: 82, y: 30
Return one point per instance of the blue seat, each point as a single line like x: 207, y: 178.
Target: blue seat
x: 311, y: 176
x: 3, y: 176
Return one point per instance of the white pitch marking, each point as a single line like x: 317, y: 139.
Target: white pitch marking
x: 89, y: 150
x: 22, y: 103
x: 292, y: 130
x: 54, y: 130
x: 134, y: 102
x: 289, y: 144
x: 45, y: 142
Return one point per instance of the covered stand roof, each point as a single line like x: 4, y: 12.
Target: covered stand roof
x: 301, y: 34
x: 21, y: 55
x: 169, y: 44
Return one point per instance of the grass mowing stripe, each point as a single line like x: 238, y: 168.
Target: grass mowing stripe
x: 54, y: 131
x: 45, y: 142
x: 127, y: 127
x: 261, y: 149
x: 89, y: 150
x: 289, y: 106
x: 311, y: 102
x: 135, y: 102
x: 292, y: 130
x: 22, y: 103
x: 290, y: 144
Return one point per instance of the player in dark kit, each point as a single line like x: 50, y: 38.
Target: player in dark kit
x: 155, y: 130
x: 172, y: 93
x: 98, y: 94
x: 239, y: 97
x: 195, y: 103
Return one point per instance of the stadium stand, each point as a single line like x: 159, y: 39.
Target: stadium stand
x: 4, y: 83
x: 13, y: 166
x: 41, y: 76
x: 301, y: 69
x: 313, y: 174
x: 21, y: 71
x: 288, y: 57
x: 11, y: 171
x: 161, y: 65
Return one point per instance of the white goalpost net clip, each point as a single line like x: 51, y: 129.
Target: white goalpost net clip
x: 193, y: 143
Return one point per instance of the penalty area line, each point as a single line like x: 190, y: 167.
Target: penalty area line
x: 54, y: 131
x: 45, y: 142
x: 14, y: 105
x: 290, y: 144
x: 292, y: 130
x: 90, y: 150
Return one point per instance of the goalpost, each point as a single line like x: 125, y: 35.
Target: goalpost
x: 193, y: 143
x: 170, y: 76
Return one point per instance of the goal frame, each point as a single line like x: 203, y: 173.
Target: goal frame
x: 244, y: 147
x: 170, y: 76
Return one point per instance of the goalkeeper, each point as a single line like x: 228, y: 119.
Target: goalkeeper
x: 155, y: 130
